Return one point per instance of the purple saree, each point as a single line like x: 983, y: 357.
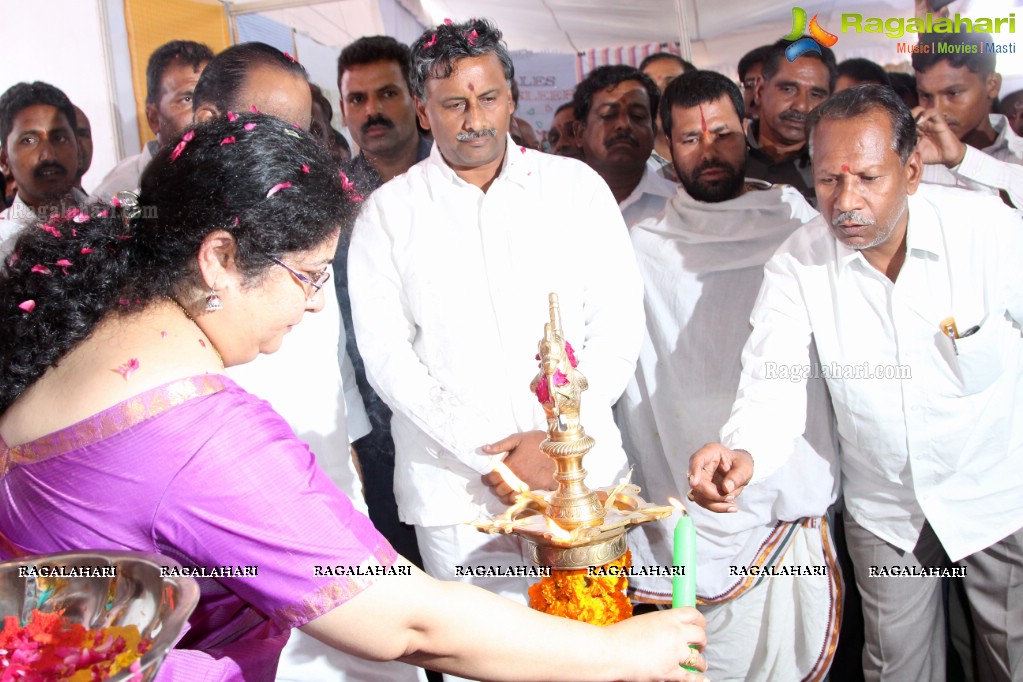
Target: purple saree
x: 205, y: 473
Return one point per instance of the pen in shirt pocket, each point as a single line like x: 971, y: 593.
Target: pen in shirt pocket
x: 949, y: 329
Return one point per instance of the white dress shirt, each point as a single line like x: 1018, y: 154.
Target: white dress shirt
x: 992, y: 169
x: 944, y: 445
x: 449, y: 289
x: 126, y: 174
x: 702, y: 265
x: 651, y: 194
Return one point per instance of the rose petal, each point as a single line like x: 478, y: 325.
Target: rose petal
x: 128, y: 368
x: 86, y: 250
x: 431, y: 42
x: 115, y: 202
x: 81, y: 218
x: 249, y: 126
x: 559, y: 378
x: 40, y: 269
x: 63, y: 262
x: 28, y: 306
x: 448, y: 22
x: 231, y: 116
x: 189, y: 136
x: 180, y: 147
x: 522, y: 149
x: 571, y: 354
x: 288, y: 55
x: 163, y: 334
x: 472, y: 37
x: 305, y: 168
x: 253, y: 109
x: 227, y: 140
x: 202, y: 343
x: 52, y: 230
x: 277, y: 188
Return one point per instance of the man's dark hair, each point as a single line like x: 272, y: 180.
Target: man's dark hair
x: 24, y: 95
x: 935, y: 44
x: 566, y: 105
x: 695, y: 88
x: 370, y: 49
x: 863, y: 99
x: 772, y: 62
x: 604, y: 77
x: 433, y: 55
x: 864, y: 71
x: 340, y: 140
x: 755, y: 56
x: 186, y: 52
x: 321, y: 99
x: 225, y: 75
x: 658, y: 56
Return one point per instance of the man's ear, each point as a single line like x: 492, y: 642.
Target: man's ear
x: 914, y: 169
x: 153, y: 118
x: 424, y: 120
x: 5, y: 166
x: 206, y: 112
x: 994, y: 85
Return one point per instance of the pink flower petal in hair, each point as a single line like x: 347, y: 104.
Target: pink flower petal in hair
x: 128, y: 368
x: 103, y: 214
x: 277, y: 188
x: 346, y: 184
x: 305, y: 168
x: 249, y: 126
x: 115, y: 202
x: 180, y: 147
x: 40, y: 269
x: 471, y: 37
x: 64, y: 264
x: 227, y: 140
x: 448, y: 22
x: 28, y: 306
x: 253, y: 109
x: 288, y: 55
x: 431, y: 42
x: 86, y: 250
x: 52, y: 230
x: 232, y: 117
x: 356, y: 198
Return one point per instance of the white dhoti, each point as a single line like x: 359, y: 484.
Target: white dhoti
x: 779, y: 627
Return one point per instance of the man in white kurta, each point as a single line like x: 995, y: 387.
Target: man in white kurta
x: 702, y: 265
x: 928, y: 412
x: 450, y: 269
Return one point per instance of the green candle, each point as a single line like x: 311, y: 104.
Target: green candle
x: 683, y: 587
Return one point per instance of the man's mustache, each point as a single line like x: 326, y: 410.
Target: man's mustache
x: 377, y: 121
x: 626, y: 137
x: 851, y: 218
x: 49, y: 165
x: 794, y: 116
x: 476, y: 134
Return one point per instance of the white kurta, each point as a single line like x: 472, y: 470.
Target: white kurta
x: 702, y: 265
x: 449, y: 294
x: 650, y: 196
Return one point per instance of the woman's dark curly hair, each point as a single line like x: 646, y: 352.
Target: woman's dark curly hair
x: 270, y: 185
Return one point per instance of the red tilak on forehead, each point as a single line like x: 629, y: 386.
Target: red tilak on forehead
x: 845, y: 168
x: 703, y: 121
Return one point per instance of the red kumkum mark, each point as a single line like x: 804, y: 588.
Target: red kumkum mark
x: 845, y: 168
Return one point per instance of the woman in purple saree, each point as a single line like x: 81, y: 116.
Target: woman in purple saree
x: 119, y: 431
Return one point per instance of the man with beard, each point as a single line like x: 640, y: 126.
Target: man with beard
x: 787, y: 92
x: 171, y: 74
x: 962, y: 143
x: 376, y: 101
x: 38, y: 149
x: 614, y: 107
x: 912, y: 296
x: 702, y: 265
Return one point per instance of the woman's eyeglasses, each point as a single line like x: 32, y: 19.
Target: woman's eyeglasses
x: 316, y: 282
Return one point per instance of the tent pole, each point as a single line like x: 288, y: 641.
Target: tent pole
x: 684, y: 46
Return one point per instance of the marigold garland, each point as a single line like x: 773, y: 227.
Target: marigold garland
x: 599, y: 600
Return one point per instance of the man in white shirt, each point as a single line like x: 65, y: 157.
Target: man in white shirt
x: 171, y: 74
x: 961, y: 142
x: 615, y: 107
x: 450, y: 269
x: 702, y: 264
x: 913, y: 298
x: 39, y: 150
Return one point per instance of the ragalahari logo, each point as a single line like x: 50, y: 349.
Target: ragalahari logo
x: 817, y: 39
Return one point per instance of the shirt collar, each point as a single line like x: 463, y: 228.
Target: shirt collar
x: 923, y: 233
x: 517, y: 165
x: 652, y: 183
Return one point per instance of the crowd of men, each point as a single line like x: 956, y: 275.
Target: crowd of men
x: 768, y: 268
